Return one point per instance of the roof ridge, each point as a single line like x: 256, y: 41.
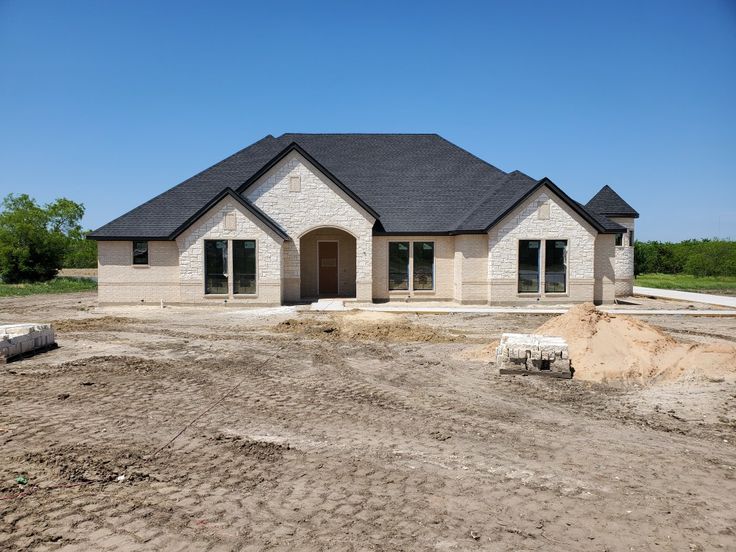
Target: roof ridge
x: 360, y: 134
x: 471, y: 154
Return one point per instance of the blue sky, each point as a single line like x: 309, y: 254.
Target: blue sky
x: 111, y: 103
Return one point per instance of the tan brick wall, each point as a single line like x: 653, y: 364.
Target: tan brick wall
x: 444, y: 258
x: 605, y: 275
x: 471, y: 268
x: 318, y: 204
x: 524, y: 223
x: 211, y: 226
x: 310, y: 263
x: 119, y: 281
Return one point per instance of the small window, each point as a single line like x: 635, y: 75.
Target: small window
x: 423, y: 265
x: 619, y: 239
x: 244, y: 266
x: 215, y: 266
x: 295, y: 183
x: 140, y: 252
x: 555, y: 266
x: 398, y: 265
x: 631, y: 238
x: 529, y: 266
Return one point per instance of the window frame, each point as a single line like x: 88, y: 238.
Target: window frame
x: 410, y: 289
x: 434, y: 266
x: 540, y: 242
x: 255, y: 269
x: 565, y: 261
x: 542, y: 265
x: 133, y: 255
x: 408, y: 265
x: 228, y: 268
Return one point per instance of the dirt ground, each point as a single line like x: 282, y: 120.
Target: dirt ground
x: 347, y: 432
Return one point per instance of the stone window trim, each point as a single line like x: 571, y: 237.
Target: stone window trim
x: 411, y: 290
x: 230, y: 275
x: 542, y: 259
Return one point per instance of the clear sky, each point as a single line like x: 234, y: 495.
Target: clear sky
x: 110, y: 103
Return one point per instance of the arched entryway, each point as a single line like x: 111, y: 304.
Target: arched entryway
x: 327, y: 263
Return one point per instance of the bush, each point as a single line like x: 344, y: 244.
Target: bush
x: 696, y: 257
x: 35, y: 240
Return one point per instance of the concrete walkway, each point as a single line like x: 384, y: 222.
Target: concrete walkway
x: 690, y: 297
x: 336, y: 305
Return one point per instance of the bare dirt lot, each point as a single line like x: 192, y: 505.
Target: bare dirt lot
x: 347, y: 432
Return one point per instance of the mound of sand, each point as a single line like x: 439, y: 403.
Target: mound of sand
x: 607, y: 348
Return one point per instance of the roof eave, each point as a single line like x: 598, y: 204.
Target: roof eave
x: 260, y: 215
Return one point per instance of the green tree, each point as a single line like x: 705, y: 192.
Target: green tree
x: 35, y: 239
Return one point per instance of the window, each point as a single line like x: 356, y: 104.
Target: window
x: 398, y: 265
x: 529, y: 266
x: 215, y: 266
x: 631, y: 238
x: 140, y: 252
x: 619, y: 239
x: 423, y: 265
x: 555, y: 266
x: 244, y: 266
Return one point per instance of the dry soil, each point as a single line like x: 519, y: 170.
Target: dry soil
x: 302, y: 431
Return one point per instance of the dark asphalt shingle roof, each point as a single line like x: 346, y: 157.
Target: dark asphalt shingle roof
x: 608, y: 202
x: 418, y: 183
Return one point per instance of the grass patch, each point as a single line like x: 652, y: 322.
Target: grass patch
x: 57, y: 285
x: 724, y: 285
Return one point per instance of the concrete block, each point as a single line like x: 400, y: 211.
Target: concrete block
x: 533, y: 354
x: 22, y: 339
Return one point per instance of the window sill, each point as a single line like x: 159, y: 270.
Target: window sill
x: 140, y: 266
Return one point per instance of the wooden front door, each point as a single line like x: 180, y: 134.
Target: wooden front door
x: 327, y: 268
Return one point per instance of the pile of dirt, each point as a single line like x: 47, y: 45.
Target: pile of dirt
x: 266, y: 451
x: 366, y: 326
x: 605, y: 347
x: 102, y: 323
x: 83, y: 464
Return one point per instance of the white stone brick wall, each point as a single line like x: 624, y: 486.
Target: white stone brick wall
x: 624, y: 264
x: 318, y: 204
x: 524, y: 224
x: 211, y: 226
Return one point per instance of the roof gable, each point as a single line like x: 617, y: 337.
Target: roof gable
x: 294, y: 147
x: 410, y: 183
x: 608, y: 202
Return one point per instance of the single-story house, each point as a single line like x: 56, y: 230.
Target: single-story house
x: 372, y: 217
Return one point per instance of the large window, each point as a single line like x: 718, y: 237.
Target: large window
x: 398, y: 265
x: 423, y: 265
x: 244, y: 266
x: 555, y: 266
x: 140, y: 252
x: 215, y: 266
x: 529, y: 266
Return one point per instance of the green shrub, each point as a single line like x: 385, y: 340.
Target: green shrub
x: 34, y: 239
x: 696, y: 257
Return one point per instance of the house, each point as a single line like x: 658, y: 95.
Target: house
x: 373, y: 217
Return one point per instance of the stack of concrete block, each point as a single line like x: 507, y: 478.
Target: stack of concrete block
x: 22, y: 339
x: 533, y: 354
